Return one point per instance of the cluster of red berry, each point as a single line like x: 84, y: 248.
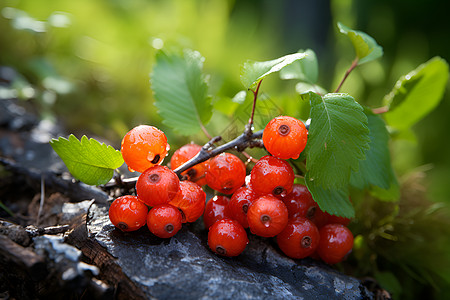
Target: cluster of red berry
x: 267, y: 201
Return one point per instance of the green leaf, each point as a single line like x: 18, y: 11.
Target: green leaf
x: 181, y: 91
x: 306, y: 69
x: 88, y: 160
x: 366, y: 47
x: 254, y: 71
x: 303, y: 87
x: 337, y: 140
x: 416, y: 94
x: 376, y: 169
x: 333, y: 201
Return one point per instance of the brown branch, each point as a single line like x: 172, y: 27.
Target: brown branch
x: 354, y: 65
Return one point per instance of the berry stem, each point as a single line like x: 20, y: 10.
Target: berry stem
x: 248, y: 128
x: 239, y: 144
x: 353, y: 65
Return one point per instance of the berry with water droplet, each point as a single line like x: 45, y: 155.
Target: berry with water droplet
x: 285, y: 137
x: 240, y: 202
x: 267, y: 216
x: 128, y: 213
x: 225, y: 173
x: 215, y: 210
x: 271, y: 175
x: 299, y: 239
x: 336, y: 242
x: 157, y: 185
x: 144, y: 146
x: 190, y: 199
x: 164, y: 220
x: 227, y: 237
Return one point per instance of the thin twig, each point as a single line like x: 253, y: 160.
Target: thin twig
x: 239, y: 144
x: 380, y: 110
x: 354, y: 64
x: 249, y: 126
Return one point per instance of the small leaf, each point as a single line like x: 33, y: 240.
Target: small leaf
x: 416, y: 94
x: 366, y: 47
x: 337, y: 139
x: 254, y: 71
x: 303, y: 88
x: 181, y: 90
x: 376, y: 169
x: 306, y: 69
x: 88, y: 160
x: 333, y: 201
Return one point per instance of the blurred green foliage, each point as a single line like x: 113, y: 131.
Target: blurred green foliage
x: 87, y: 63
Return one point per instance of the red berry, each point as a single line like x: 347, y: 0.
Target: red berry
x: 299, y: 239
x: 190, y: 200
x: 267, y: 216
x: 144, y: 146
x: 336, y: 242
x: 215, y: 210
x: 240, y: 202
x: 185, y: 153
x: 227, y: 237
x: 272, y: 175
x: 128, y: 213
x: 285, y: 137
x: 300, y: 203
x: 225, y: 173
x: 164, y: 220
x: 157, y: 185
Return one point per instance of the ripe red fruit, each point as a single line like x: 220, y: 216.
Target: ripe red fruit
x: 299, y: 239
x: 240, y: 202
x: 144, y: 146
x: 185, y: 153
x: 300, y: 203
x: 267, y: 216
x: 215, y: 210
x: 336, y: 242
x: 157, y: 185
x: 128, y: 213
x: 227, y: 237
x: 272, y: 175
x: 285, y: 137
x: 190, y: 200
x: 164, y: 220
x: 225, y: 173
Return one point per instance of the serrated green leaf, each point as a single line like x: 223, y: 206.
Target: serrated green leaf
x: 181, y: 91
x: 416, y: 94
x: 253, y: 71
x: 337, y: 139
x: 365, y: 46
x: 376, y: 169
x: 306, y: 69
x: 88, y: 160
x: 333, y: 201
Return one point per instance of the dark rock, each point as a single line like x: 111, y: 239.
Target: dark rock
x: 183, y: 267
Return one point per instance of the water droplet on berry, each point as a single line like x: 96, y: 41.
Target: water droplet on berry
x: 131, y: 170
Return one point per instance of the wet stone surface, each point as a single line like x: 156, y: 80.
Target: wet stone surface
x: 183, y: 267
